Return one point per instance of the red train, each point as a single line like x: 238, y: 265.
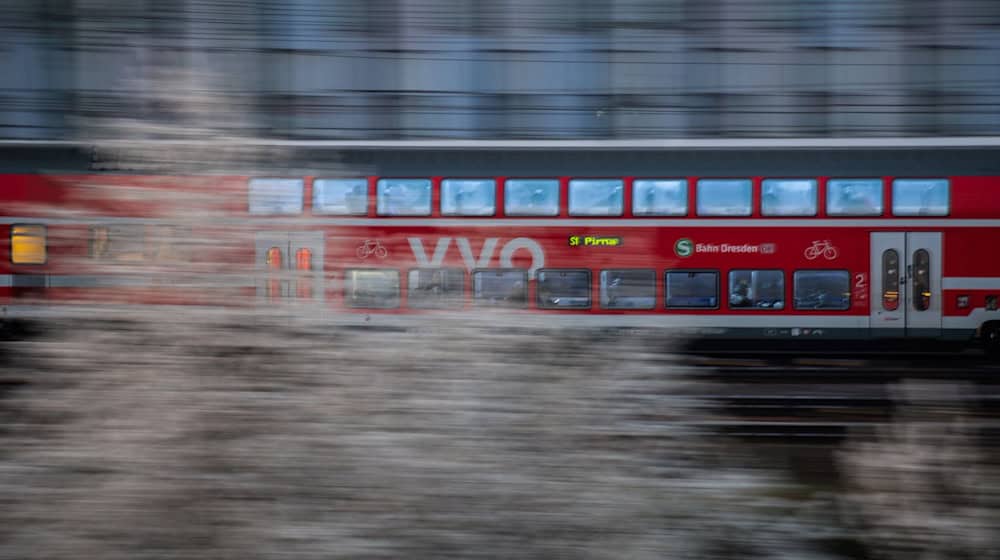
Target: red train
x: 777, y: 257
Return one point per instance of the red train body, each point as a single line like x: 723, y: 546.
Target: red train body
x: 747, y: 257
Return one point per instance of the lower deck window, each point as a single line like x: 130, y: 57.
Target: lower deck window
x: 500, y: 287
x: 563, y: 289
x: 822, y: 289
x: 692, y: 289
x: 628, y: 289
x: 757, y: 289
x: 371, y: 289
x: 436, y: 288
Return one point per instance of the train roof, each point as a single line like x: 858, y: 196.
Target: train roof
x: 914, y: 156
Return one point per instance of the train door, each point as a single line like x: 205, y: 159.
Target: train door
x: 906, y: 284
x: 290, y: 264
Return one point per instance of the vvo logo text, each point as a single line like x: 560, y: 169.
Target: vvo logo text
x: 485, y: 253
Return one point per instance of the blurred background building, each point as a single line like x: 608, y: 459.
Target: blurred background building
x: 368, y: 69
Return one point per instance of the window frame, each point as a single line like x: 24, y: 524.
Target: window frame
x: 478, y: 302
x: 460, y: 303
x: 685, y: 188
x: 569, y: 197
x: 300, y: 196
x: 602, y: 288
x: 729, y: 290
x: 590, y: 289
x: 506, y: 199
x: 441, y: 197
x: 947, y: 199
x: 698, y: 198
x: 316, y: 207
x: 718, y: 288
x: 880, y: 190
x: 379, y: 210
x: 348, y: 284
x: 815, y: 198
x: 795, y: 299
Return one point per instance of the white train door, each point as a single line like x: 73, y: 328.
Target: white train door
x: 906, y: 284
x: 290, y: 264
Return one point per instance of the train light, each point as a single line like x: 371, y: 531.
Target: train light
x: 890, y: 301
x: 963, y: 301
x: 27, y: 244
x: 272, y: 259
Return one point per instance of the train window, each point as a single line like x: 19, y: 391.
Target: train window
x: 345, y: 197
x: 822, y: 289
x: 500, y: 287
x: 692, y: 288
x: 563, y: 289
x: 531, y: 197
x: 468, y: 197
x: 27, y: 244
x: 890, y: 280
x: 920, y: 197
x: 371, y: 288
x: 921, y: 280
x: 854, y: 197
x: 436, y: 288
x: 276, y: 196
x: 724, y: 197
x: 788, y: 197
x: 596, y: 197
x: 122, y: 243
x: 659, y: 197
x: 757, y: 289
x: 403, y: 197
x: 628, y: 289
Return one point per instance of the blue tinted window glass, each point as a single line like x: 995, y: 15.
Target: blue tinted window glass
x: 757, y: 289
x: 628, y: 289
x: 340, y: 196
x: 659, y: 197
x: 724, y: 197
x: 404, y: 197
x: 563, y: 288
x: 596, y: 197
x: 788, y: 197
x: 822, y: 289
x: 920, y: 197
x: 276, y: 196
x: 531, y: 197
x: 687, y: 288
x: 468, y: 197
x: 854, y: 197
x: 496, y: 287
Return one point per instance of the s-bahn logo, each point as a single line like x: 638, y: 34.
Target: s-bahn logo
x: 684, y: 247
x: 485, y: 253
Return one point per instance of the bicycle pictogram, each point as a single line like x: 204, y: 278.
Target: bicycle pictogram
x: 372, y: 247
x: 824, y: 247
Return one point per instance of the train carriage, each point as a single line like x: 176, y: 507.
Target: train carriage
x: 801, y: 245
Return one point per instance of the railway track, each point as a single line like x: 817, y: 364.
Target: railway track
x: 824, y: 400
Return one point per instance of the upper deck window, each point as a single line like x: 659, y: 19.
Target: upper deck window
x: 404, y: 197
x: 531, y: 197
x: 724, y: 197
x: 854, y: 197
x: 276, y: 196
x: 596, y: 197
x: 468, y: 197
x: 340, y: 196
x: 788, y: 197
x: 659, y: 197
x: 920, y: 197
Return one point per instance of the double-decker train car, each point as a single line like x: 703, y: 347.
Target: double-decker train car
x: 769, y: 245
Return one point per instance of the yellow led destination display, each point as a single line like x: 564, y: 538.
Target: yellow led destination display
x: 595, y: 241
